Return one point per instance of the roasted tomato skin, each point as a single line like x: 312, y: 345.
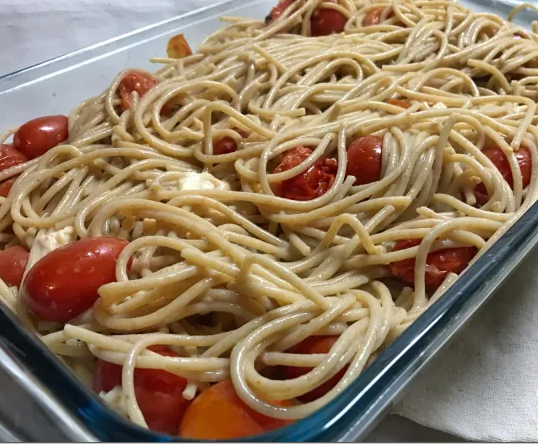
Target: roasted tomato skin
x: 227, y: 144
x: 312, y: 183
x: 438, y: 263
x: 364, y: 159
x: 159, y: 393
x: 374, y: 16
x: 218, y: 413
x: 496, y: 155
x: 13, y: 261
x: 401, y: 103
x: 314, y: 345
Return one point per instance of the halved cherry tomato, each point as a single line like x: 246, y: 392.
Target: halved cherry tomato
x: 64, y: 283
x: 226, y: 144
x: 401, y: 103
x: 277, y: 11
x: 314, y: 182
x: 159, y: 393
x: 314, y: 345
x: 36, y: 137
x: 496, y: 155
x: 9, y: 156
x: 218, y: 413
x: 364, y: 159
x: 13, y: 262
x: 5, y: 186
x: 374, y: 16
x: 438, y: 263
x: 327, y: 21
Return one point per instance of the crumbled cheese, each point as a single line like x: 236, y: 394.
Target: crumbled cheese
x: 115, y: 399
x: 201, y: 181
x: 439, y: 105
x: 44, y: 243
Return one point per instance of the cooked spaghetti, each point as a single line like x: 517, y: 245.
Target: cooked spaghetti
x: 273, y: 210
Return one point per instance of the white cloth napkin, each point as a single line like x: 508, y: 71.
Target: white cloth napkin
x: 483, y: 387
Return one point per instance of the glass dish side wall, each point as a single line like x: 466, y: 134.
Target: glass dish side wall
x: 58, y: 85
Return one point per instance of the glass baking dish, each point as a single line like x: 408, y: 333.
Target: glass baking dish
x: 39, y: 381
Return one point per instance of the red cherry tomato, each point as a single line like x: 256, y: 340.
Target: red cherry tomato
x: 9, y: 157
x: 218, y: 413
x: 64, y: 283
x: 364, y: 159
x: 438, y: 263
x: 314, y: 345
x: 496, y: 155
x: 226, y: 144
x: 313, y: 183
x: 374, y: 16
x: 327, y: 21
x: 13, y: 262
x: 277, y: 11
x: 36, y: 137
x: 159, y: 393
x: 400, y: 103
x: 5, y: 187
x: 141, y: 83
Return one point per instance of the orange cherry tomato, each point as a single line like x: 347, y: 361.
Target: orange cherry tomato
x: 159, y: 393
x: 9, y: 156
x: 64, y: 283
x: 36, y: 137
x: 327, y: 21
x: 374, y: 16
x: 314, y: 345
x: 438, y: 263
x: 364, y: 159
x: 218, y: 413
x: 401, y: 103
x: 226, y: 144
x: 277, y: 11
x: 13, y: 262
x: 5, y: 187
x: 310, y: 184
x: 496, y: 155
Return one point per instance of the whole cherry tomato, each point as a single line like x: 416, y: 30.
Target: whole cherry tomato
x: 226, y: 144
x: 327, y: 21
x: 364, y: 159
x: 159, y: 393
x: 374, y: 16
x: 314, y: 345
x: 312, y: 183
x: 496, y: 155
x: 438, y: 263
x: 13, y: 262
x: 64, y: 283
x: 218, y: 413
x: 36, y: 137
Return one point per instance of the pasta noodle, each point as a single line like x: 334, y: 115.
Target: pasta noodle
x: 226, y: 268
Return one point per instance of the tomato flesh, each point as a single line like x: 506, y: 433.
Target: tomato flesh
x: 277, y: 11
x: 218, y: 413
x: 374, y: 16
x: 400, y: 103
x: 312, y: 183
x: 438, y: 263
x: 65, y: 282
x: 13, y: 262
x: 141, y: 83
x: 496, y: 155
x: 327, y: 21
x: 5, y: 187
x: 36, y: 137
x: 9, y: 157
x: 364, y: 159
x: 314, y: 345
x: 159, y: 393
